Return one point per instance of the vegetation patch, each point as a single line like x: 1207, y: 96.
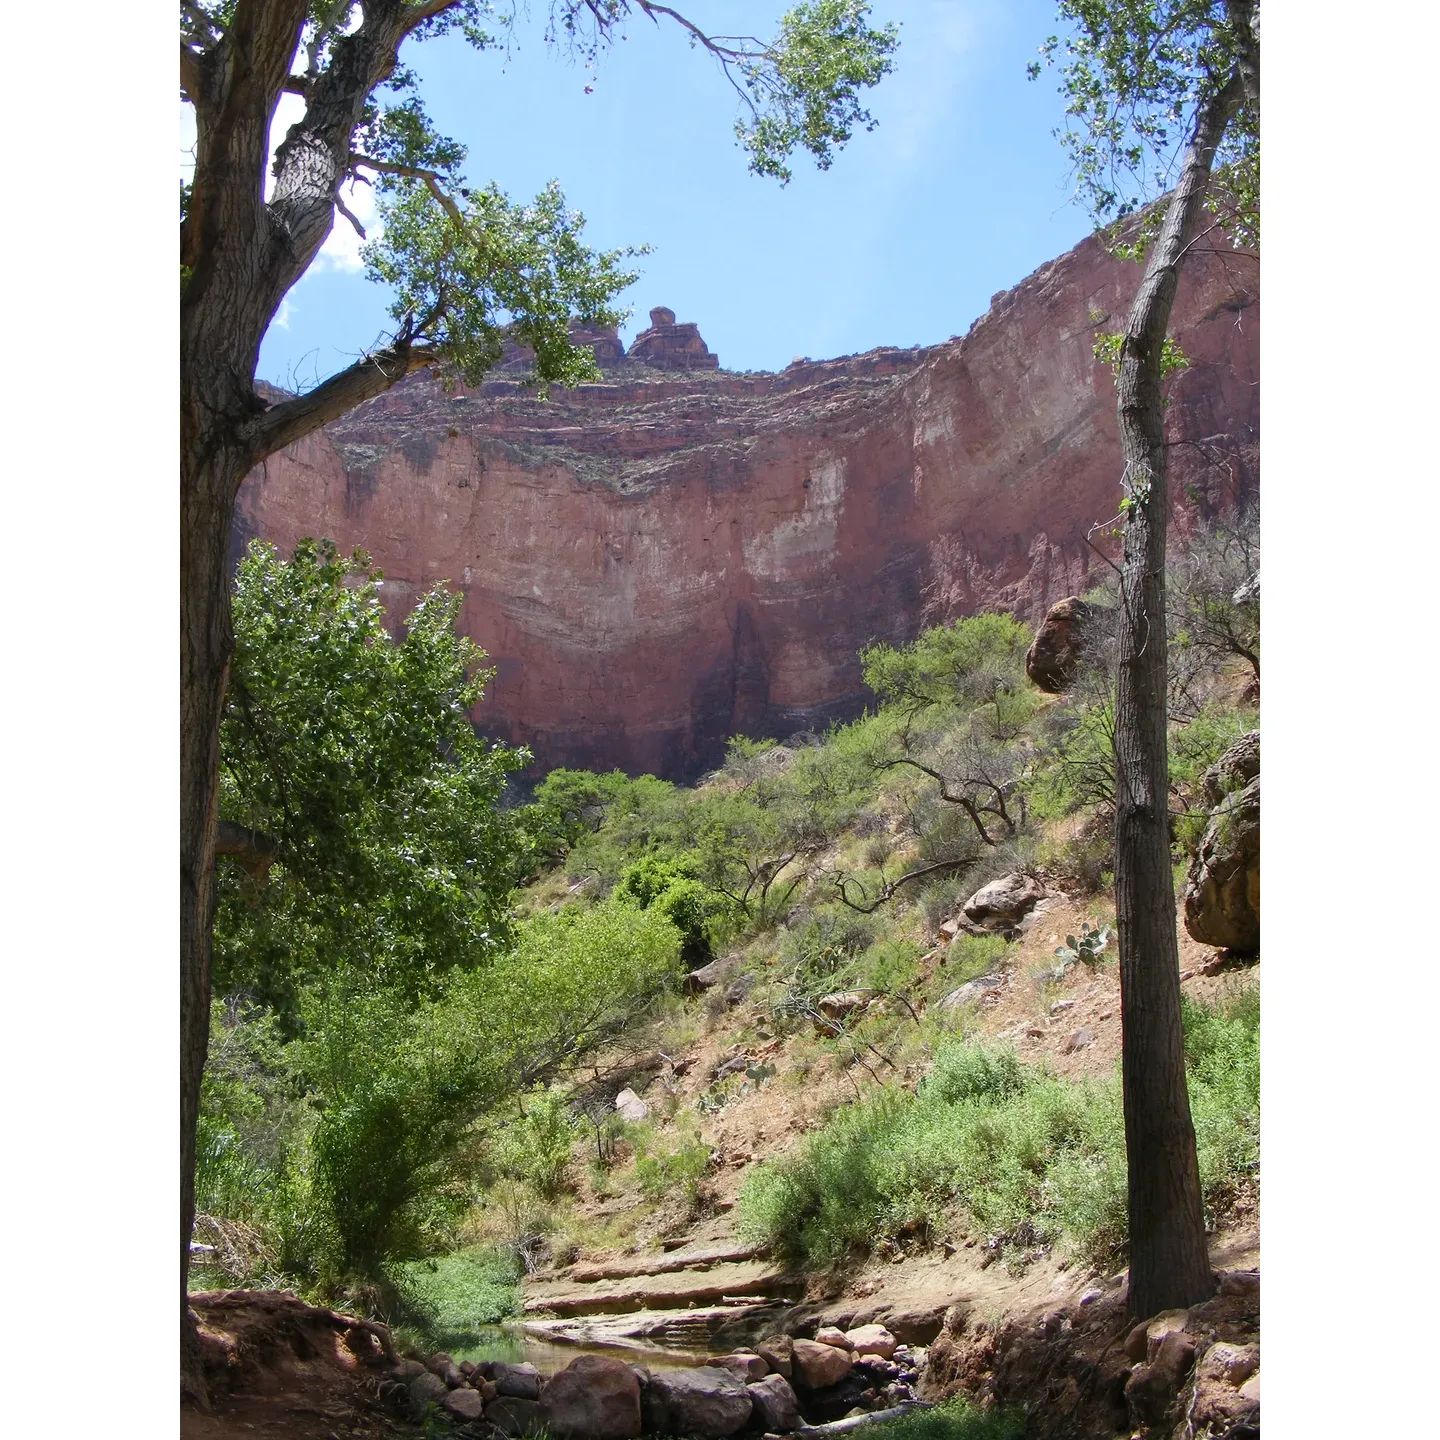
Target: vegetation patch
x: 992, y: 1146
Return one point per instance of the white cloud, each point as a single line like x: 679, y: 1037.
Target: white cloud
x: 283, y: 314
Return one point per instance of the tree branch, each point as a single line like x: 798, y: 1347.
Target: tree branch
x: 432, y: 179
x: 192, y: 79
x: 888, y: 890
x: 291, y: 420
x: 252, y: 850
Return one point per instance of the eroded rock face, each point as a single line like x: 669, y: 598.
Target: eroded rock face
x: 1222, y: 888
x: 675, y: 555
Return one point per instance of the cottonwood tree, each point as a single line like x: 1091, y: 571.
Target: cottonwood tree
x: 1162, y: 95
x: 465, y: 265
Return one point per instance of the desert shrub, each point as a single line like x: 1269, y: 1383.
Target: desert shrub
x: 1021, y: 1154
x: 669, y: 884
x: 536, y: 1148
x: 662, y: 1172
x: 973, y: 955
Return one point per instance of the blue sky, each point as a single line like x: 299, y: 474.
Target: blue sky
x: 960, y: 191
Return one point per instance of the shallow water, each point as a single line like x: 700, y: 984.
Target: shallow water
x: 513, y: 1345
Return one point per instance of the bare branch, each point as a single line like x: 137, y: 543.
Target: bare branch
x: 345, y: 210
x: 291, y: 420
x: 887, y: 891
x: 432, y: 179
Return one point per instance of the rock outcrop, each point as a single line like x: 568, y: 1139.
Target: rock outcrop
x: 678, y: 553
x: 668, y: 346
x: 1059, y: 645
x: 1222, y: 888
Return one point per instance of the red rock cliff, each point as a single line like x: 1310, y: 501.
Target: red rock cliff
x: 680, y: 553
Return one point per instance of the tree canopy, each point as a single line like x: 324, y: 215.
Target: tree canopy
x: 355, y: 756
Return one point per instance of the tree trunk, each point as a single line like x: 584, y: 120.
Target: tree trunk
x: 211, y: 469
x: 1169, y: 1262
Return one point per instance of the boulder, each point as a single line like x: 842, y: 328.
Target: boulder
x: 464, y: 1403
x: 973, y: 992
x: 816, y: 1366
x: 916, y: 1327
x: 592, y: 1398
x: 776, y: 1407
x: 629, y: 1106
x: 719, y: 971
x: 832, y: 1335
x: 1222, y: 888
x: 427, y: 1389
x: 439, y: 1363
x: 871, y: 1340
x: 998, y: 907
x: 1055, y: 654
x: 1151, y: 1388
x: 705, y: 1401
x: 776, y: 1353
x: 838, y: 1007
x: 512, y: 1416
x: 743, y: 1365
x: 520, y: 1381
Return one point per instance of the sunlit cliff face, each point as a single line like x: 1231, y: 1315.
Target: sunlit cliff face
x: 680, y: 553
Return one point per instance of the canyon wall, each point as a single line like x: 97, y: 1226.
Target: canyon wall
x: 680, y: 553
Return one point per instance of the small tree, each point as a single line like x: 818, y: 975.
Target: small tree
x: 465, y: 265
x: 1145, y: 79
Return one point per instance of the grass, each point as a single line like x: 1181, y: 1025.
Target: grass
x: 955, y: 1419
x: 449, y: 1303
x: 990, y: 1144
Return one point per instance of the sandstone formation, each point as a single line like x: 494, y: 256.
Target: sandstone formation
x: 680, y: 553
x: 1222, y: 888
x: 668, y: 346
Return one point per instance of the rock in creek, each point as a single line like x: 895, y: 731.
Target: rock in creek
x: 592, y: 1398
x: 775, y: 1405
x: 816, y: 1366
x: 705, y: 1401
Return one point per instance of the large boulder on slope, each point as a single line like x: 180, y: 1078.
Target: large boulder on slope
x: 776, y: 1407
x: 1222, y: 889
x: 1055, y: 654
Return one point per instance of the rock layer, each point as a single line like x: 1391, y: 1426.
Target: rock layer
x: 677, y: 554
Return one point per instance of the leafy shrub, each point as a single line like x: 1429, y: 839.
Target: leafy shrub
x: 1021, y: 1154
x: 536, y: 1148
x: 671, y: 887
x: 973, y: 955
x: 662, y: 1172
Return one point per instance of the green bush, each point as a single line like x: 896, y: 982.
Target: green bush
x: 662, y: 1172
x: 1021, y: 1154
